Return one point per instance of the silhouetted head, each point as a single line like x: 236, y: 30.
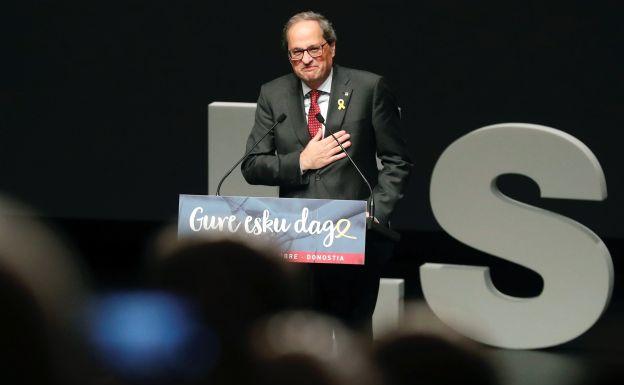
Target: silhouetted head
x: 24, y: 349
x: 430, y: 360
x: 302, y: 348
x: 233, y: 283
x: 42, y: 292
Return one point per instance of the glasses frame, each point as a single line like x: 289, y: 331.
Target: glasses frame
x: 303, y: 52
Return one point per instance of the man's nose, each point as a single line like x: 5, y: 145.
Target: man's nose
x: 306, y: 59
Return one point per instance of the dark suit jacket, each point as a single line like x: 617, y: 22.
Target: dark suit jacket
x: 371, y: 117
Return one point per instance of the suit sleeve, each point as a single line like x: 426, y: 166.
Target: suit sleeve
x: 391, y: 150
x: 265, y: 165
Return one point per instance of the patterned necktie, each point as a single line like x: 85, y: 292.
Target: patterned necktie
x: 313, y: 124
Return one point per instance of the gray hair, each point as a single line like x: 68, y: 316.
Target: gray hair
x: 329, y: 34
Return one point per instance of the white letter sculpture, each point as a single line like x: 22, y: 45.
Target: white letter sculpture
x: 574, y: 263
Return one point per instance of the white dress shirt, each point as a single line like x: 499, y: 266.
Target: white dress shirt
x: 323, y: 100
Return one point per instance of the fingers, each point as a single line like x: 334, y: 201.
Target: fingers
x: 318, y: 136
x: 337, y: 157
x: 343, y: 138
x: 329, y: 139
x: 337, y: 148
x: 331, y: 159
x: 331, y: 142
x: 325, y: 150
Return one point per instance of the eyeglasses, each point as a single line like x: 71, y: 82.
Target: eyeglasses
x: 313, y: 51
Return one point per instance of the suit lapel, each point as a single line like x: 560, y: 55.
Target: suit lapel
x: 339, y: 99
x: 296, y: 112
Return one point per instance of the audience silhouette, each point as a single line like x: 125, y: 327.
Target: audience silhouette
x: 214, y: 311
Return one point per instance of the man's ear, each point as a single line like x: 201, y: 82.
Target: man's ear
x: 333, y: 48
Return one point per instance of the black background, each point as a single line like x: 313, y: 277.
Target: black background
x: 103, y: 119
x: 104, y: 104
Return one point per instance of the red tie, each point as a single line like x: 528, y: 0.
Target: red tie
x: 313, y: 124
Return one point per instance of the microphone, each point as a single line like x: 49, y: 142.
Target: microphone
x: 279, y: 120
x: 371, y: 201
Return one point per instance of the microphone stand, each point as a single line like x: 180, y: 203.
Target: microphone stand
x: 370, y: 221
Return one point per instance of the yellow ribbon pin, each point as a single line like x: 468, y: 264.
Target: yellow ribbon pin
x: 341, y: 105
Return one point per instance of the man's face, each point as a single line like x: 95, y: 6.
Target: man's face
x: 312, y: 70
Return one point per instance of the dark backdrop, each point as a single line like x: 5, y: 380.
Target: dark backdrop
x: 104, y: 104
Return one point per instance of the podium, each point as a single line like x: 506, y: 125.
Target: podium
x: 303, y: 230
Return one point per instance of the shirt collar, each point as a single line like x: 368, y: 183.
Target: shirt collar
x: 325, y: 87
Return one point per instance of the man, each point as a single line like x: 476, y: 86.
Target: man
x: 306, y: 162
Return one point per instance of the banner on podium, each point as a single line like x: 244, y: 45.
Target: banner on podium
x: 305, y: 230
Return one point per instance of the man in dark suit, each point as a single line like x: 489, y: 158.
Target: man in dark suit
x: 306, y: 162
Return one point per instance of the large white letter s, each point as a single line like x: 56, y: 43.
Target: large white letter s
x: 573, y: 261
